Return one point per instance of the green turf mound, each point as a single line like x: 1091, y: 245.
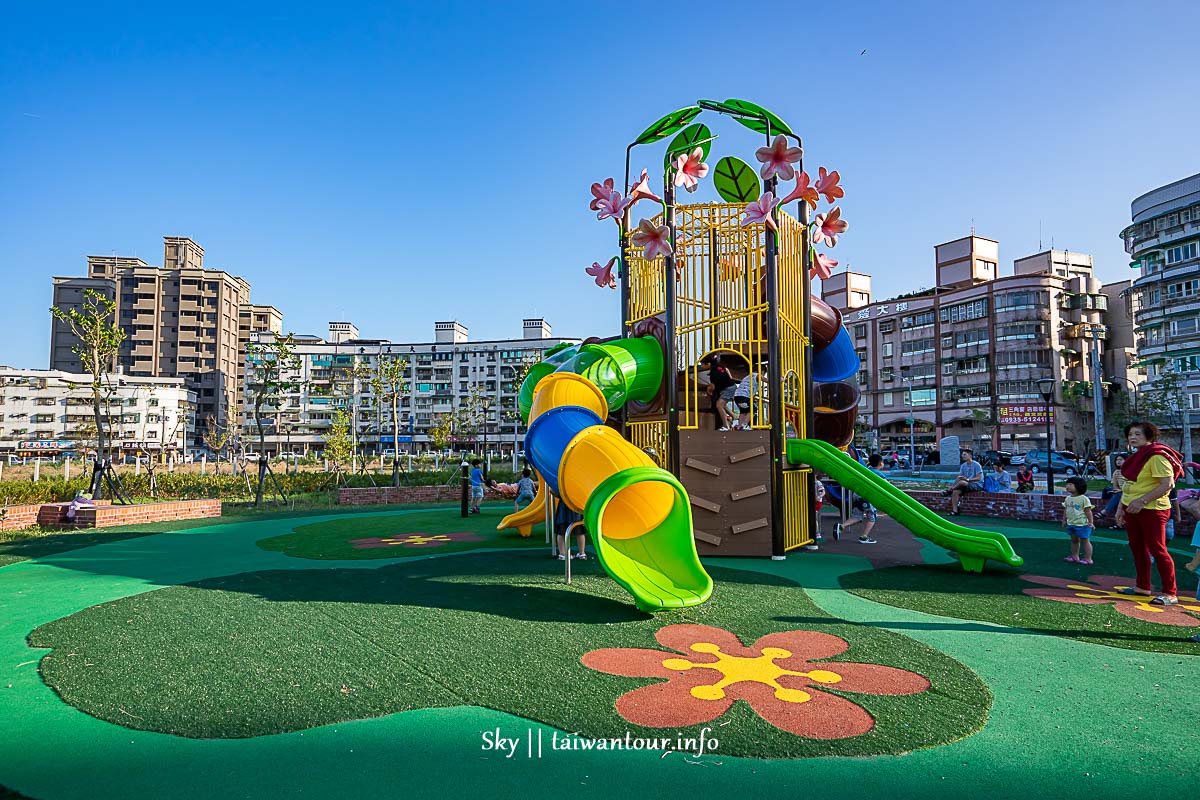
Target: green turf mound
x: 1047, y: 595
x: 268, y: 652
x: 398, y: 535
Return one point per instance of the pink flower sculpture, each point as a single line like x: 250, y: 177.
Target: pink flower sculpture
x: 1105, y: 589
x: 603, y: 275
x: 641, y: 191
x: 828, y: 227
x: 689, y: 169
x: 778, y: 158
x: 760, y: 211
x: 827, y: 184
x: 803, y: 191
x: 784, y: 677
x: 656, y: 240
x: 823, y: 266
x: 608, y: 201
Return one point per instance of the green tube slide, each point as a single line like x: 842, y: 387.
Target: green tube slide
x: 973, y: 546
x: 623, y: 370
x: 660, y: 568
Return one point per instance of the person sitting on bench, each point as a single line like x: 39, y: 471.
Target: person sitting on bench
x: 970, y: 479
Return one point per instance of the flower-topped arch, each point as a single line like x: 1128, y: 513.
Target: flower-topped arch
x: 686, y: 165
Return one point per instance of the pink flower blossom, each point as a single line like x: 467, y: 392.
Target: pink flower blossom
x: 603, y: 275
x: 778, y: 158
x: 607, y: 201
x: 760, y: 211
x: 689, y: 169
x: 823, y: 266
x: 827, y: 184
x: 641, y: 191
x: 802, y: 191
x: 828, y: 227
x: 656, y: 240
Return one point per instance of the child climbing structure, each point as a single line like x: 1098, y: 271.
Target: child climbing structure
x: 700, y: 280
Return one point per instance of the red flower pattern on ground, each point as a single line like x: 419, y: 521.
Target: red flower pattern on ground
x: 1100, y: 590
x: 414, y: 540
x: 780, y: 676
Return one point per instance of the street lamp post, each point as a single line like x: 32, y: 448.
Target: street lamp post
x: 912, y: 441
x: 1046, y: 387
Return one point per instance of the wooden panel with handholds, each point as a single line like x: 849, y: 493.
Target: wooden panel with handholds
x: 703, y: 466
x: 745, y: 455
x: 704, y: 536
x: 752, y: 525
x: 707, y: 505
x: 753, y: 491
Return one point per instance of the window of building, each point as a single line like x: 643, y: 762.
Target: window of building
x: 1027, y: 299
x: 916, y: 346
x: 924, y: 397
x: 1020, y: 330
x: 976, y: 309
x: 1012, y: 359
x: 917, y: 320
x: 862, y: 355
x: 1182, y: 252
x: 889, y: 398
x: 968, y: 366
x: 975, y: 336
x: 919, y: 372
x: 1183, y: 327
x: 887, y: 349
x: 860, y: 331
x: 862, y: 377
x: 887, y: 326
x: 1183, y: 289
x: 860, y: 298
x: 887, y: 374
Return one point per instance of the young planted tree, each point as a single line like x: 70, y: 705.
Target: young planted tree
x: 389, y: 382
x: 99, y: 338
x: 216, y: 438
x: 339, y: 445
x: 271, y: 368
x: 441, y: 432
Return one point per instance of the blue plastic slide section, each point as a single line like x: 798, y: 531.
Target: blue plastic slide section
x: 548, y: 437
x: 837, y: 362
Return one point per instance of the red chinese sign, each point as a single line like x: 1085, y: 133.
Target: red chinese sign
x: 1024, y: 415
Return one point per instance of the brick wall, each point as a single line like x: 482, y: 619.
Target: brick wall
x: 108, y: 516
x: 52, y: 515
x: 1014, y: 505
x: 19, y: 517
x: 398, y: 495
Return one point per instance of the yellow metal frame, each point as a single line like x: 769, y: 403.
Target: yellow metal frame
x: 721, y: 306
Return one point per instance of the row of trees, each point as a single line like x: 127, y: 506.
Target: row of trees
x: 274, y: 371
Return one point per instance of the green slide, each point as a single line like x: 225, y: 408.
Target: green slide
x: 973, y: 546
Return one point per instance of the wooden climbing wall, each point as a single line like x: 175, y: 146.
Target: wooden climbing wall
x: 728, y: 479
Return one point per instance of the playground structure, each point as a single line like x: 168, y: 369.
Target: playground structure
x: 661, y: 483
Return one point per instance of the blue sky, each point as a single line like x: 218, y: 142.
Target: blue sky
x: 394, y: 164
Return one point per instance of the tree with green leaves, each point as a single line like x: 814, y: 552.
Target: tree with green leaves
x: 216, y: 438
x: 339, y: 445
x: 98, y: 340
x: 441, y: 431
x: 389, y: 382
x: 271, y: 370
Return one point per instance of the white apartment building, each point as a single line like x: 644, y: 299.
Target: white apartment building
x: 442, y: 377
x: 49, y: 412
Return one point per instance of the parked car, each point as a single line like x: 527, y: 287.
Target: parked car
x: 1016, y: 459
x: 1040, y: 460
x: 989, y: 457
x: 897, y: 459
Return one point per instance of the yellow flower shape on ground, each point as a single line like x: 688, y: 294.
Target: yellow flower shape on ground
x: 1110, y: 589
x: 759, y: 669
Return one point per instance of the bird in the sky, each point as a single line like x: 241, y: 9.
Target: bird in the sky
x: 863, y: 53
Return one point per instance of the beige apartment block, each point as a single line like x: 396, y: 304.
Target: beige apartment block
x: 965, y: 356
x: 180, y: 320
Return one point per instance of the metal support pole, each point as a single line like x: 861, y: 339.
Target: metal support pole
x: 1098, y: 390
x: 671, y: 458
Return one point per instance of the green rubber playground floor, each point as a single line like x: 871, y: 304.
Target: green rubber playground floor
x: 385, y: 654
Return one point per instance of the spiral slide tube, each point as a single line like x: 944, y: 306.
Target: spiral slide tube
x: 973, y: 546
x: 638, y: 514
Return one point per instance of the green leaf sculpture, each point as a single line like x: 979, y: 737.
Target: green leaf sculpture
x: 689, y: 139
x: 668, y: 125
x: 757, y: 124
x: 736, y: 181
